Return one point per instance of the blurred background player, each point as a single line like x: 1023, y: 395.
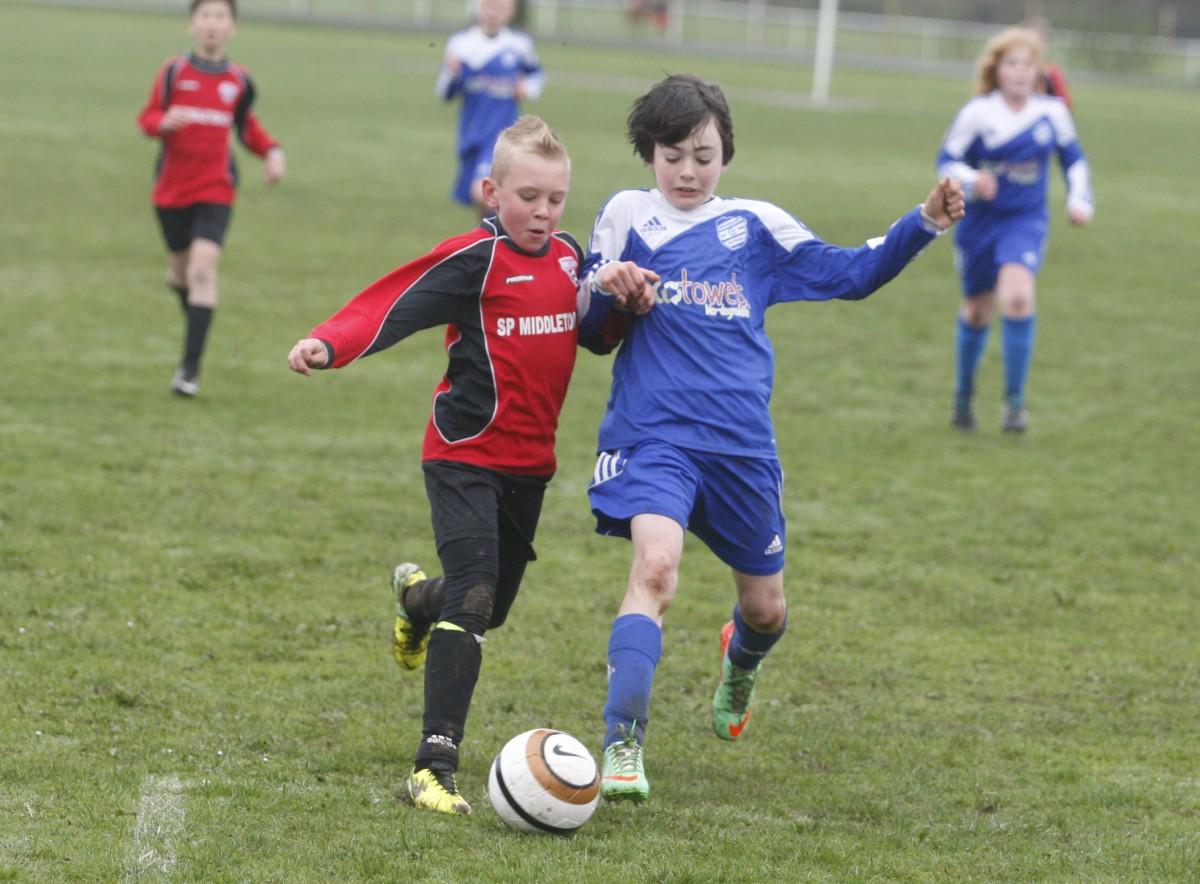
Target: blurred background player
x: 1053, y: 81
x: 999, y: 148
x: 493, y: 68
x: 195, y: 100
x: 508, y: 294
x: 687, y: 441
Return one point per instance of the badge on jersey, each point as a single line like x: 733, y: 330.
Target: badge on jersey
x: 570, y: 267
x: 733, y: 232
x: 228, y: 91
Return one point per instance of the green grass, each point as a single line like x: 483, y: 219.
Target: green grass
x: 990, y: 671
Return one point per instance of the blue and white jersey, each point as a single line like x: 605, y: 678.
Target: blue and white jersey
x: 697, y: 370
x: 1015, y: 146
x: 491, y: 69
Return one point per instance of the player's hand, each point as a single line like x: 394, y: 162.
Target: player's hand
x: 520, y: 90
x: 1079, y: 215
x: 986, y: 185
x: 174, y: 119
x: 945, y: 203
x: 309, y: 353
x: 276, y: 165
x: 630, y: 284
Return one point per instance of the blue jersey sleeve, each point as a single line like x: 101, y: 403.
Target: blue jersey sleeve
x: 812, y: 270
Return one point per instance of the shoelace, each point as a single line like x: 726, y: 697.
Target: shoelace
x: 739, y: 688
x: 625, y: 756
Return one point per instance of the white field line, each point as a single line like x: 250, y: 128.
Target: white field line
x: 159, y: 826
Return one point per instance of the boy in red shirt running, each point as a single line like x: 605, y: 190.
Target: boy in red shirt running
x: 508, y: 295
x: 195, y: 101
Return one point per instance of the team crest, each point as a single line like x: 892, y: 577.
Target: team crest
x: 1042, y: 133
x: 733, y: 232
x: 570, y: 267
x: 228, y: 91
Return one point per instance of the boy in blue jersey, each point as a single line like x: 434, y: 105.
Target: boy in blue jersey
x: 494, y: 69
x: 998, y: 148
x: 687, y: 441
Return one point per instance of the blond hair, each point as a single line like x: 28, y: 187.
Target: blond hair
x: 989, y: 59
x: 530, y: 134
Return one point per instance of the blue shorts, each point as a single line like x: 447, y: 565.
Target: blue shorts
x: 474, y: 164
x: 733, y: 504
x: 982, y: 249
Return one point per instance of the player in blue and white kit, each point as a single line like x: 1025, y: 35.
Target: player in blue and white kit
x: 687, y: 441
x: 494, y: 69
x: 999, y: 148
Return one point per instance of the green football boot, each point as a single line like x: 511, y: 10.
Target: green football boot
x: 409, y: 641
x: 733, y: 702
x: 623, y: 771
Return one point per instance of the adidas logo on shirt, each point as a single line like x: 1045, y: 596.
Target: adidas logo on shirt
x: 652, y: 226
x: 775, y: 546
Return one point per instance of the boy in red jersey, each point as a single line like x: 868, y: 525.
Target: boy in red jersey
x: 195, y: 100
x: 508, y: 294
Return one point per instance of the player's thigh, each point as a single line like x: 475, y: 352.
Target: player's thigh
x: 520, y: 510
x: 464, y: 504
x: 210, y: 221
x: 976, y: 264
x: 176, y: 227
x: 1016, y: 289
x: 739, y: 512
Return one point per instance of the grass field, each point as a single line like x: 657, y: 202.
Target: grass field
x: 991, y: 669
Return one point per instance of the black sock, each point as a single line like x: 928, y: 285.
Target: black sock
x: 451, y: 670
x: 182, y: 291
x: 423, y: 601
x: 198, y: 320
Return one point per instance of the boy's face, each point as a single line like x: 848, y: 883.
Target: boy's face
x: 211, y: 25
x: 687, y: 173
x: 1017, y: 72
x: 495, y: 14
x: 530, y: 198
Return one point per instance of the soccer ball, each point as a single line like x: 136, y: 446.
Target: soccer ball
x: 544, y: 781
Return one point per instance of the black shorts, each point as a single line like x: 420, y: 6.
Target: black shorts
x: 197, y: 221
x: 466, y: 501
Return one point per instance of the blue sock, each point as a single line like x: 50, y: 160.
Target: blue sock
x: 1019, y: 335
x: 747, y: 647
x: 970, y: 344
x: 634, y: 649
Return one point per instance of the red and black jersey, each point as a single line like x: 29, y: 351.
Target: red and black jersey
x: 196, y: 164
x: 511, y: 336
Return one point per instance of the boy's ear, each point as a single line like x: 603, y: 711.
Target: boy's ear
x: 489, y: 193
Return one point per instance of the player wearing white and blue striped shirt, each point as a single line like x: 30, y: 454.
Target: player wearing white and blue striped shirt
x: 999, y: 148
x: 494, y: 69
x: 687, y: 441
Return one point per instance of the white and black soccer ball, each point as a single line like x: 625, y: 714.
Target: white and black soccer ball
x: 544, y: 781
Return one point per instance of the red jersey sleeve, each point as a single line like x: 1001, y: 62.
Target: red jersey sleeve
x: 250, y: 131
x: 151, y: 116
x: 422, y: 294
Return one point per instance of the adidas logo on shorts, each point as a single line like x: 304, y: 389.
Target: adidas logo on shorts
x: 775, y: 546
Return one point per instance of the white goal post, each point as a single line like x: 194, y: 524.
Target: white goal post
x: 823, y: 60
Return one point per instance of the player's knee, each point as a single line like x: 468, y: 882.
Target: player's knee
x: 766, y: 616
x: 977, y: 312
x: 1019, y: 303
x: 657, y: 573
x: 471, y: 609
